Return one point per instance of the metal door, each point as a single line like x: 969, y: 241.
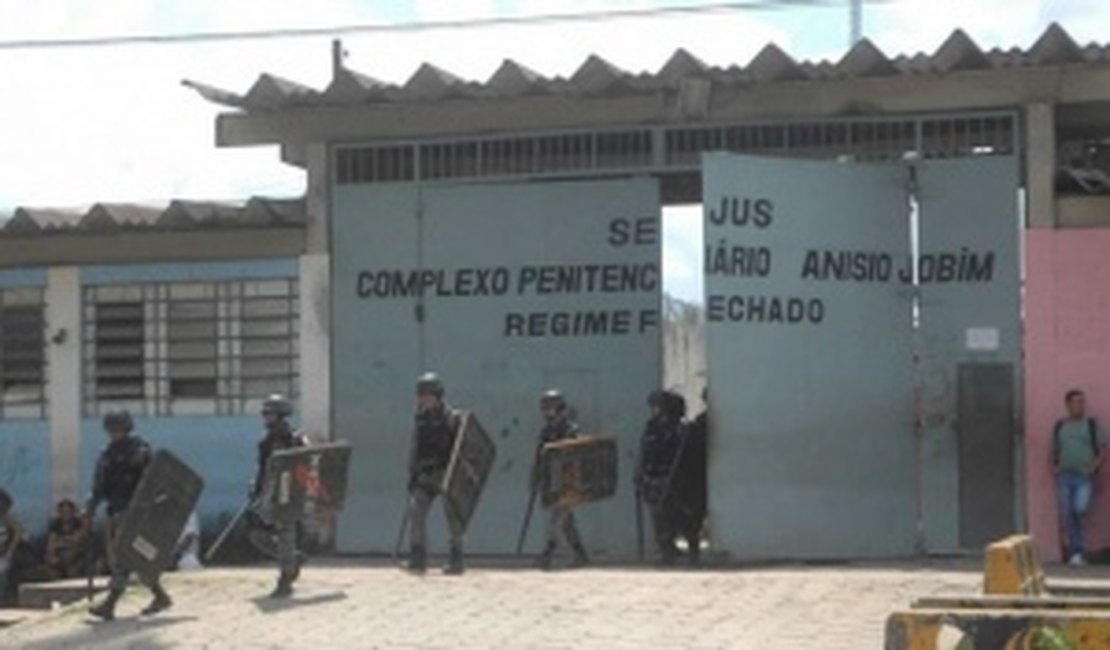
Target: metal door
x: 515, y: 284
x: 809, y: 358
x: 985, y: 428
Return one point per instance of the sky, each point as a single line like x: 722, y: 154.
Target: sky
x: 81, y: 125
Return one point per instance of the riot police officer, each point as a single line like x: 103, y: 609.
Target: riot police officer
x: 560, y: 524
x: 690, y: 482
x: 272, y: 536
x: 118, y: 470
x: 660, y: 448
x: 433, y: 441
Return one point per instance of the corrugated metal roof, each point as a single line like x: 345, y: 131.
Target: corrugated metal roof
x: 176, y: 216
x: 597, y: 77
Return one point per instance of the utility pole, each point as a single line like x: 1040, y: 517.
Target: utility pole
x: 856, y: 26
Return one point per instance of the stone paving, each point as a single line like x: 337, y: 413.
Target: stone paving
x: 365, y: 604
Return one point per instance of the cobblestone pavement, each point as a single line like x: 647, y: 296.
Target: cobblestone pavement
x: 362, y: 604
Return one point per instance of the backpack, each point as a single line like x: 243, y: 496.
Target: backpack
x: 1092, y: 432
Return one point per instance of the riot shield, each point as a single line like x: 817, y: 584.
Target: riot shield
x: 147, y: 535
x: 470, y: 465
x: 578, y: 470
x: 316, y: 474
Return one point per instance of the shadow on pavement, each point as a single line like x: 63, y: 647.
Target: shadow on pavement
x: 127, y: 631
x: 271, y: 605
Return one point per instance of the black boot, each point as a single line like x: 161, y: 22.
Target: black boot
x: 581, y: 558
x: 106, y: 610
x: 284, y: 588
x: 543, y: 560
x: 454, y: 560
x: 418, y: 559
x: 160, y: 603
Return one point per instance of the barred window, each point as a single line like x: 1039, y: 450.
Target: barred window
x: 191, y: 348
x: 22, y: 353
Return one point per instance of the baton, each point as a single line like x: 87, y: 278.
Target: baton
x: 526, y: 523
x: 639, y: 527
x: 90, y: 541
x: 401, y: 533
x: 227, y: 531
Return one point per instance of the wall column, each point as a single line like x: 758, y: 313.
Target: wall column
x: 63, y: 354
x: 1040, y: 164
x: 315, y: 284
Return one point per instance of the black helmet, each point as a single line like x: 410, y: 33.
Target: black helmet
x: 553, y: 399
x: 277, y: 404
x: 118, y: 420
x: 675, y: 406
x: 657, y: 398
x: 429, y: 383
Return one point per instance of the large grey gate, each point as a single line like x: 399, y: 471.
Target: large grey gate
x: 506, y: 289
x: 835, y: 337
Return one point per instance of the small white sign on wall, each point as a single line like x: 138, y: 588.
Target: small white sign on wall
x: 982, y: 339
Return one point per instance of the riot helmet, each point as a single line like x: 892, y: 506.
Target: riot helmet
x: 278, y: 405
x: 429, y: 383
x: 675, y: 405
x: 118, y: 420
x: 553, y: 399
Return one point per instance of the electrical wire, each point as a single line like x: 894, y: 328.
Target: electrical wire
x: 339, y: 30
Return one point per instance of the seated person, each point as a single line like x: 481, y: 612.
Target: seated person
x: 65, y: 542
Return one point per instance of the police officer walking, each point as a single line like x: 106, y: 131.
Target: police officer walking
x: 660, y: 448
x: 118, y: 470
x: 279, y: 434
x: 433, y: 441
x: 560, y: 524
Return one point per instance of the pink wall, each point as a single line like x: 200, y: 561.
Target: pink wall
x: 1067, y: 345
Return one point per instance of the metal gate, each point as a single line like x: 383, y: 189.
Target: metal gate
x: 836, y: 323
x: 505, y: 289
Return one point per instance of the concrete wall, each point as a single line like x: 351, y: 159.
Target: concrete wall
x: 1067, y: 345
x: 25, y: 470
x: 42, y: 461
x: 25, y: 460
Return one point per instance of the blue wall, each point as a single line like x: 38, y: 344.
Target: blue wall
x: 25, y: 471
x: 28, y: 277
x: 220, y: 449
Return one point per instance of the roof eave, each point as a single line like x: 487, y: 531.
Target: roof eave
x: 962, y: 90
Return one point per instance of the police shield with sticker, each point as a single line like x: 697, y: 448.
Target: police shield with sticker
x: 119, y: 469
x: 561, y: 526
x: 273, y: 537
x: 450, y: 456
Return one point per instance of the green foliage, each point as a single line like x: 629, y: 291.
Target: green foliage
x: 1050, y: 638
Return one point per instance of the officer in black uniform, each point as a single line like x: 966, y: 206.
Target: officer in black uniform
x: 691, y: 482
x: 437, y: 424
x: 282, y: 537
x: 118, y: 470
x: 660, y: 448
x: 560, y: 524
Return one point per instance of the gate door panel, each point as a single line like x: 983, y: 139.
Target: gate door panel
x: 970, y: 296
x: 809, y: 358
x: 375, y: 358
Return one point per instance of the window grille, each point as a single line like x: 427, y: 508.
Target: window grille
x: 22, y: 353
x: 677, y: 148
x: 207, y: 348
